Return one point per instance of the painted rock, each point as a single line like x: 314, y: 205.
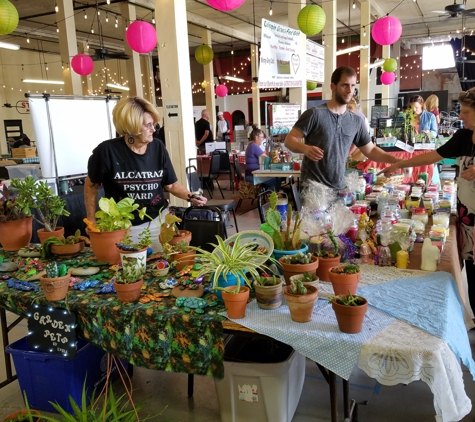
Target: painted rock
x: 8, y: 266
x: 85, y: 271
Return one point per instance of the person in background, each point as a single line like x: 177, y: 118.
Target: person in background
x: 223, y: 131
x: 354, y: 107
x: 432, y: 105
x: 424, y: 121
x: 22, y: 142
x: 203, y: 132
x: 135, y: 165
x: 462, y: 147
x: 329, y: 130
x: 253, y: 152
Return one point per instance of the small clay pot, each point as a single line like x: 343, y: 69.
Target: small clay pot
x: 185, y: 235
x: 269, y: 297
x: 300, y: 277
x: 103, y: 245
x: 128, y: 292
x: 36, y: 416
x: 293, y: 269
x: 342, y: 283
x: 301, y: 306
x: 236, y: 302
x: 350, y: 318
x: 43, y: 234
x: 16, y: 234
x: 68, y: 251
x: 324, y: 267
x: 55, y: 288
x: 184, y: 259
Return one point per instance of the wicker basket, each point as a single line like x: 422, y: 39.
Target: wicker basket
x: 394, y: 180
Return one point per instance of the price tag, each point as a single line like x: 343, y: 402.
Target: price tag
x: 404, y: 146
x: 52, y: 330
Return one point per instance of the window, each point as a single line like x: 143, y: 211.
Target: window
x: 437, y: 57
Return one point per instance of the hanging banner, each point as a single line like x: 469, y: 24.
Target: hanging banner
x: 281, y: 62
x: 315, y: 62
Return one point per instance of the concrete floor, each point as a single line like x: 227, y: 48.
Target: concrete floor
x: 167, y: 392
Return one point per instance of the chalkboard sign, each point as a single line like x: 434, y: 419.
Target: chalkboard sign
x: 377, y: 112
x: 52, y: 330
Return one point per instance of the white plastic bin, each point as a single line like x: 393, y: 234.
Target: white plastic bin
x: 253, y: 390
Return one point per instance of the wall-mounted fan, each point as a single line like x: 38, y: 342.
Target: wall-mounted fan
x: 455, y: 10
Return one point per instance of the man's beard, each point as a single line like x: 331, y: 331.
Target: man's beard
x: 340, y: 99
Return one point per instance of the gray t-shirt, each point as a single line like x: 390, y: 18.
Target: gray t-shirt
x: 334, y: 134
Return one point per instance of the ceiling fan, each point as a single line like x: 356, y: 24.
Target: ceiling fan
x: 455, y: 10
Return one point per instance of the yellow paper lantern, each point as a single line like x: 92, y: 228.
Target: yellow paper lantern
x: 311, y: 85
x: 204, y: 84
x: 204, y: 54
x: 311, y: 19
x: 390, y: 65
x: 8, y: 17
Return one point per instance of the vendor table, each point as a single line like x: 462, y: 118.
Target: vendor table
x: 262, y: 176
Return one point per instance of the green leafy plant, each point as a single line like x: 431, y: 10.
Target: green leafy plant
x: 236, y: 259
x: 115, y: 215
x: 145, y: 241
x: 291, y: 241
x: 45, y: 248
x: 409, y: 120
x: 132, y: 270
x: 38, y: 195
x: 298, y: 258
x: 297, y: 288
x: 322, y: 253
x: 347, y: 300
x: 346, y: 269
x: 9, y: 209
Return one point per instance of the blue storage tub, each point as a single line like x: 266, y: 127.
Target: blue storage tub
x: 47, y: 377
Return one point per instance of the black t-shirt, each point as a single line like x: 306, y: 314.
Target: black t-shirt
x: 200, y: 127
x: 124, y: 173
x: 460, y: 145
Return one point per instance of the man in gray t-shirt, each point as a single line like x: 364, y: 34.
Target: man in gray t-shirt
x: 330, y: 130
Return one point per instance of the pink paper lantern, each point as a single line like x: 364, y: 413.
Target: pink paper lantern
x: 387, y: 78
x: 225, y: 5
x: 221, y: 90
x: 82, y: 64
x: 386, y: 30
x: 141, y: 37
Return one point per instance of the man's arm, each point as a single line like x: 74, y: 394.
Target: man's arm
x: 205, y: 136
x: 377, y: 154
x: 90, y: 198
x: 293, y: 141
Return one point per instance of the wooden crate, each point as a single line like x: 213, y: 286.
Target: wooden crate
x: 23, y: 152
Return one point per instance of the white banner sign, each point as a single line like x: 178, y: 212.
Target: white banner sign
x: 315, y: 62
x: 284, y: 116
x: 281, y: 64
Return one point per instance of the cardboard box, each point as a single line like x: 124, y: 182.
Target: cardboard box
x: 23, y: 152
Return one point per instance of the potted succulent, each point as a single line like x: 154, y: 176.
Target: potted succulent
x: 129, y: 250
x: 229, y: 266
x: 26, y: 415
x: 327, y: 259
x: 49, y: 207
x: 300, y: 300
x: 268, y: 291
x: 308, y: 279
x: 65, y: 247
x: 55, y: 283
x: 128, y: 282
x: 298, y: 264
x: 15, y: 225
x: 350, y: 311
x: 345, y: 278
x: 112, y: 221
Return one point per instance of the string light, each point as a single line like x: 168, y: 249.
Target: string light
x: 323, y: 39
x: 107, y: 18
x: 153, y: 21
x: 98, y: 12
x: 92, y: 30
x: 270, y: 10
x: 342, y: 40
x: 27, y: 39
x: 354, y: 4
x: 85, y: 15
x: 108, y: 1
x: 116, y: 22
x: 56, y: 8
x: 46, y: 66
x: 57, y: 28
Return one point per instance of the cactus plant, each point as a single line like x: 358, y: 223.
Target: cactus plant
x: 298, y: 288
x: 55, y: 271
x: 298, y: 258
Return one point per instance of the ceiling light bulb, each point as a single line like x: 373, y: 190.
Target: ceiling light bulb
x: 107, y: 18
x: 108, y: 1
x: 98, y: 12
x: 56, y: 8
x: 153, y: 21
x: 92, y: 30
x: 57, y: 29
x: 354, y: 4
x: 270, y: 10
x: 28, y: 39
x: 85, y: 15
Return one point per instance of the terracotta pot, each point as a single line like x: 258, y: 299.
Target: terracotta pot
x: 103, y: 245
x: 185, y: 235
x: 128, y: 292
x: 236, y: 302
x: 55, y: 288
x: 293, y: 269
x: 43, y: 234
x: 184, y: 259
x: 300, y: 277
x: 67, y: 251
x: 269, y: 297
x: 301, y: 306
x: 16, y: 234
x: 324, y: 267
x: 140, y: 256
x: 350, y: 318
x: 14, y: 416
x: 342, y: 283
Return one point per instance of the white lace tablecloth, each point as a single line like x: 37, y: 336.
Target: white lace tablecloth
x: 402, y: 353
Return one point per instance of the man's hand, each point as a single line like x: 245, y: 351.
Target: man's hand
x: 389, y: 170
x: 313, y: 153
x: 468, y: 174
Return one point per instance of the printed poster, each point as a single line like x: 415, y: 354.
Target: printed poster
x: 281, y: 64
x: 315, y: 62
x: 284, y: 116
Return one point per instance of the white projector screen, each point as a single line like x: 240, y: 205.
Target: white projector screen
x: 77, y: 127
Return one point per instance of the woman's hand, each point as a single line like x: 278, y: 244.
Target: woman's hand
x: 198, y: 201
x: 468, y: 174
x: 389, y: 170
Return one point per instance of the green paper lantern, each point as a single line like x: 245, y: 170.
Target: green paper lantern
x: 8, y: 17
x: 311, y: 19
x: 390, y: 65
x: 311, y: 85
x: 204, y: 54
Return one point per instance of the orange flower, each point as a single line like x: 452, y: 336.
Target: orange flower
x: 90, y: 225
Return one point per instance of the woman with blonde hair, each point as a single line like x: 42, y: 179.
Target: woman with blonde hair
x: 424, y: 121
x: 432, y: 105
x: 135, y: 165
